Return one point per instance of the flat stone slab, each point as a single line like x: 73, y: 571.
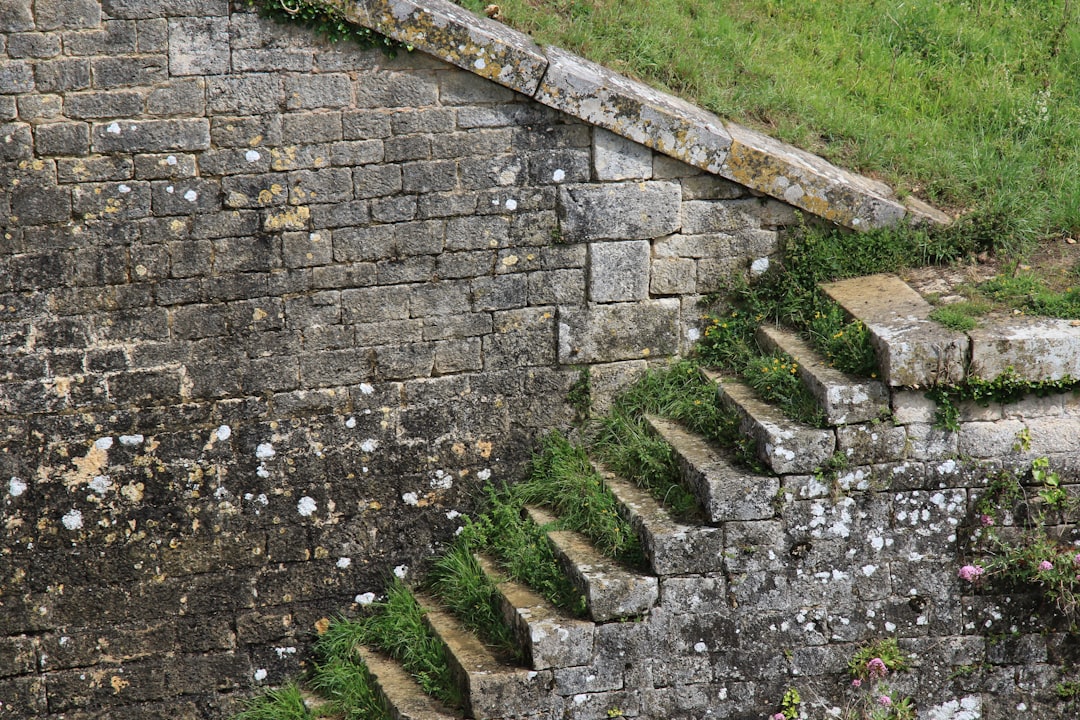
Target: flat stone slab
x: 785, y: 445
x: 670, y: 547
x: 550, y: 639
x: 401, y: 695
x: 844, y: 398
x: 912, y: 349
x: 610, y: 590
x: 1033, y: 348
x: 492, y: 688
x: 619, y: 211
x: 808, y: 181
x: 619, y: 331
x: 725, y: 491
x: 482, y: 46
x: 633, y: 110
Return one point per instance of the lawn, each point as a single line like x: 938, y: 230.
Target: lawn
x: 973, y: 106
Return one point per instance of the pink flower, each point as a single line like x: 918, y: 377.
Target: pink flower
x: 779, y: 716
x: 876, y: 668
x: 986, y: 520
x: 885, y: 700
x: 971, y: 573
x: 1046, y: 565
x: 1076, y: 560
x: 856, y: 683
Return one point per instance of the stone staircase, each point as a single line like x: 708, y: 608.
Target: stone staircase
x: 730, y: 609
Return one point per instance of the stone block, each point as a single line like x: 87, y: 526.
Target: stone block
x: 479, y: 173
x: 66, y: 14
x: 198, y: 46
x: 8, y: 109
x: 619, y: 331
x: 273, y: 60
x: 910, y: 406
x: 311, y: 127
x: 250, y: 94
x: 561, y: 165
x: 481, y: 46
x: 330, y: 90
x: 619, y: 211
x: 134, y: 136
x: 141, y: 70
x: 557, y: 287
x: 520, y: 338
x: 673, y: 276
x: 926, y: 442
x: 871, y: 443
x: 18, y: 77
x: 37, y: 205
x: 40, y: 107
x: 400, y: 208
x: 1035, y: 349
x: 114, y: 37
x: 333, y: 185
x: 62, y: 75
x: 428, y: 177
x: 616, y: 158
x: 376, y: 181
x: 365, y: 124
x: 454, y: 356
x: 359, y: 152
x: 448, y: 327
x: 96, y: 105
x: 62, y: 138
x: 365, y: 305
x: 407, y: 147
x: 619, y: 271
x: 476, y: 233
x: 178, y: 98
x: 401, y: 362
x: 500, y: 292
x: 15, y: 16
x: 185, y: 196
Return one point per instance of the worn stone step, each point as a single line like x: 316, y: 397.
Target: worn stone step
x: 912, y: 350
x: 549, y: 638
x: 492, y: 687
x: 399, y: 693
x: 783, y: 444
x: 845, y: 399
x: 727, y: 492
x: 610, y: 590
x: 670, y: 547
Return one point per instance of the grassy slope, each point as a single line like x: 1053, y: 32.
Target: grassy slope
x: 971, y: 105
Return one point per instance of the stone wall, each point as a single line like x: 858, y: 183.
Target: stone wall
x: 272, y: 311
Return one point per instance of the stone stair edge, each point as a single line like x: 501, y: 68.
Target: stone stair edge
x: 399, y: 692
x: 636, y: 111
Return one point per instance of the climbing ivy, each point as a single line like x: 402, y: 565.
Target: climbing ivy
x: 1008, y: 387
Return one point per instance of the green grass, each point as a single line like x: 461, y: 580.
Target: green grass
x: 459, y: 582
x: 284, y: 703
x: 960, y: 316
x: 1030, y: 293
x: 970, y: 104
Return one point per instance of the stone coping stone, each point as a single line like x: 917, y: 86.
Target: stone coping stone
x: 638, y: 112
x: 726, y: 492
x: 844, y: 398
x: 399, y: 693
x: 634, y: 110
x: 1035, y: 349
x: 912, y: 350
x: 481, y: 46
x: 611, y: 591
x: 492, y: 687
x: 786, y: 446
x: 808, y: 182
x: 671, y: 547
x: 551, y: 639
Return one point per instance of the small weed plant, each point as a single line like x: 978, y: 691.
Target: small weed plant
x: 1008, y: 387
x: 871, y: 698
x: 284, y: 703
x: 1019, y: 538
x: 1030, y: 293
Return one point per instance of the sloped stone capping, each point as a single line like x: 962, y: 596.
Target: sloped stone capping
x: 272, y: 310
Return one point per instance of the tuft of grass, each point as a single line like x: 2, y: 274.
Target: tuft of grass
x: 521, y: 549
x: 623, y: 442
x: 457, y: 579
x: 284, y: 703
x: 348, y: 688
x: 959, y: 316
x: 1030, y: 293
x: 775, y: 378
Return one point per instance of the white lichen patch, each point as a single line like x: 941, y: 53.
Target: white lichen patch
x: 410, y: 498
x: 101, y: 484
x: 559, y: 175
x: 103, y: 443
x: 224, y: 432
x: 73, y: 520
x: 484, y: 475
x: 401, y: 571
x: 131, y: 440
x: 350, y: 423
x: 344, y: 562
x: 366, y: 388
x: 370, y: 445
x: 441, y: 480
x: 307, y: 506
x: 260, y: 675
x: 16, y: 487
x: 283, y: 652
x: 265, y: 451
x: 968, y: 708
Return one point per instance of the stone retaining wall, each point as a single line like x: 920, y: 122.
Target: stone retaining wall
x: 273, y: 311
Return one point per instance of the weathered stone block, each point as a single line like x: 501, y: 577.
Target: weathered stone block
x: 619, y: 211
x: 71, y: 138
x: 616, y: 158
x: 66, y: 14
x: 198, y: 46
x: 113, y: 72
x: 178, y: 98
x: 520, y: 338
x: 251, y: 94
x: 331, y: 90
x: 673, y: 276
x: 489, y: 49
x: 18, y: 77
x: 95, y: 105
x: 619, y: 271
x: 151, y: 135
x: 868, y: 443
x: 15, y: 16
x: 501, y: 292
x: 1033, y: 348
x: 620, y: 331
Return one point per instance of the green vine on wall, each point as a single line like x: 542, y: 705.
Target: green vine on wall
x: 1008, y: 387
x: 326, y: 20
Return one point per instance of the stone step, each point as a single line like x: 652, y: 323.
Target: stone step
x: 671, y: 547
x: 549, y: 638
x: 785, y: 445
x: 725, y: 491
x: 492, y: 686
x: 399, y: 693
x: 912, y: 350
x: 845, y: 399
x: 610, y: 590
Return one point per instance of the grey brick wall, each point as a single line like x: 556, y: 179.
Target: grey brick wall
x: 259, y: 293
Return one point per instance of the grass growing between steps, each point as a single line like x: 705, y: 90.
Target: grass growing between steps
x: 789, y: 295
x: 623, y: 441
x: 284, y: 703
